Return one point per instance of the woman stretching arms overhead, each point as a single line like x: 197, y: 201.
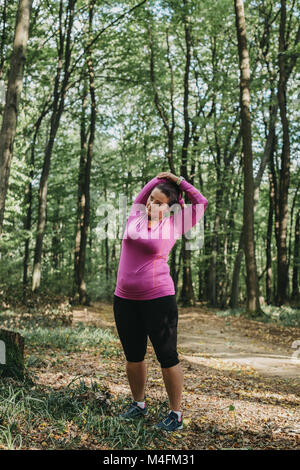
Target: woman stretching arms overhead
x: 144, y: 298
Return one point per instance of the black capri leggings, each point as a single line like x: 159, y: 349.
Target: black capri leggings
x: 156, y: 318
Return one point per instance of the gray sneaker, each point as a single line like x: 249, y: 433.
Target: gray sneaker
x: 134, y: 411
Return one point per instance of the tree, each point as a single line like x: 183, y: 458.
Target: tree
x: 253, y: 305
x: 13, y: 94
x: 83, y: 218
x: 59, y: 95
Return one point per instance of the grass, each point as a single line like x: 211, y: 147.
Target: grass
x: 79, y: 415
x: 284, y: 315
x: 82, y: 413
x: 73, y: 338
x: 73, y: 417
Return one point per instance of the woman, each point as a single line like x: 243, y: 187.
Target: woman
x: 144, y: 298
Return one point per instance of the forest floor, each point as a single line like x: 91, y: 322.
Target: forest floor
x: 241, y: 382
x: 241, y: 385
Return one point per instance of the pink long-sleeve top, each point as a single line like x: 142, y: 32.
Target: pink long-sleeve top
x: 143, y: 271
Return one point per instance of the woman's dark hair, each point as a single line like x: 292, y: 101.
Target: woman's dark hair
x: 171, y: 190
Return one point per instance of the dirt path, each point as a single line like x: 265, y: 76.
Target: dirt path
x: 233, y: 341
x: 222, y: 342
x: 241, y: 387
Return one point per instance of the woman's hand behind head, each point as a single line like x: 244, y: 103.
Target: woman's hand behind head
x: 167, y: 174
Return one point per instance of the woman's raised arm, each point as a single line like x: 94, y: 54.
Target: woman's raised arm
x: 143, y: 195
x: 186, y: 218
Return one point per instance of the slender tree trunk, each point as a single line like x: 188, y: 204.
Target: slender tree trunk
x: 28, y: 200
x: 56, y: 237
x: 14, y: 88
x: 85, y: 174
x: 214, y: 251
x: 187, y: 295
x: 27, y: 221
x: 267, y: 156
x: 269, y: 241
x: 235, y: 287
x: 2, y: 43
x: 287, y: 63
x: 169, y: 127
x: 217, y: 277
x: 264, y: 161
x: 173, y: 270
x: 284, y: 180
x: 177, y: 271
x: 57, y: 110
x: 296, y: 262
x: 252, y: 305
x: 107, y: 269
x: 80, y: 197
x: 293, y: 207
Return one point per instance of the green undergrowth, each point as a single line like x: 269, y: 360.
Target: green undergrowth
x: 74, y: 338
x: 284, y: 315
x: 84, y: 414
x: 77, y: 416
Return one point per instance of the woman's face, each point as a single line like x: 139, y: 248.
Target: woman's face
x: 157, y: 204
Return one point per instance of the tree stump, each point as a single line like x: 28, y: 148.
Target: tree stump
x: 11, y: 354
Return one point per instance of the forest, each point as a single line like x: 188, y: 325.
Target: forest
x: 97, y: 97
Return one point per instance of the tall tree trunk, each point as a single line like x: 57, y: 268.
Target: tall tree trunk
x: 284, y: 178
x: 14, y: 88
x: 293, y: 207
x: 107, y: 267
x: 169, y: 127
x: 235, y: 286
x: 296, y: 262
x: 266, y: 158
x: 287, y: 63
x: 84, y: 204
x: 28, y: 200
x: 252, y: 303
x: 234, y: 292
x: 80, y: 197
x: 267, y: 155
x: 187, y: 295
x: 217, y: 275
x: 212, y: 280
x: 269, y: 240
x: 173, y: 265
x: 57, y: 110
x: 2, y: 43
x: 56, y: 239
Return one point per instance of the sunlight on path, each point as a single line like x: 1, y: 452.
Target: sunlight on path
x: 220, y: 342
